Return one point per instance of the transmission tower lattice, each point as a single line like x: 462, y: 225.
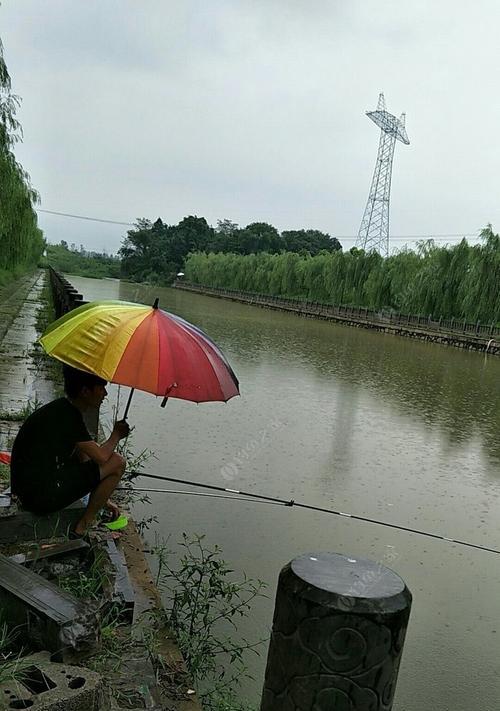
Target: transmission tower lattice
x: 374, y: 230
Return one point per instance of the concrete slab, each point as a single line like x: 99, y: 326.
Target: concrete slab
x: 50, y: 618
x: 50, y: 550
x: 122, y: 592
x: 42, y: 685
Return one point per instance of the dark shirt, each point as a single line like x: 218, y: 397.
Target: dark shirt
x: 45, y: 443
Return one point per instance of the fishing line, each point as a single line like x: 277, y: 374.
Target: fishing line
x: 197, y: 493
x: 236, y: 494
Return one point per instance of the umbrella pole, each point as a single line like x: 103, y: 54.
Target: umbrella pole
x: 128, y: 403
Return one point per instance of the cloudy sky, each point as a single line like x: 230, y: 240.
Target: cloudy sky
x: 253, y: 110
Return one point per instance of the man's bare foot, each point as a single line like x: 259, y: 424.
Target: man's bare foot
x: 80, y: 529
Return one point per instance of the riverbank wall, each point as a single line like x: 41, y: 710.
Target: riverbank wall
x: 452, y: 332
x: 65, y: 296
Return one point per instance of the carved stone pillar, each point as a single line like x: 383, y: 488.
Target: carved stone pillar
x: 338, y: 633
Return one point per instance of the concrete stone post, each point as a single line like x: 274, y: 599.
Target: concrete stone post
x: 338, y: 633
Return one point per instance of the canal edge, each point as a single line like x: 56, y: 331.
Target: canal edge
x: 359, y: 317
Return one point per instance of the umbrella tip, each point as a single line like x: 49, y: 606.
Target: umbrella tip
x: 157, y: 301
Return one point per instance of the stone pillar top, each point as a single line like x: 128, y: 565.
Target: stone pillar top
x: 347, y: 582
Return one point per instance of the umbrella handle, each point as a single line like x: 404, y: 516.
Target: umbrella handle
x: 128, y: 403
x: 167, y: 392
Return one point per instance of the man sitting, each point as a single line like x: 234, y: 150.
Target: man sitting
x: 54, y: 459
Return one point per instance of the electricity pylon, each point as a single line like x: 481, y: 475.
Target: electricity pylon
x: 374, y: 230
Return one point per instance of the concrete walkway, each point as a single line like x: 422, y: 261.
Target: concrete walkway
x: 21, y: 379
x: 159, y: 686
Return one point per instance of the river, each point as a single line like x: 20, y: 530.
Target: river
x: 369, y: 423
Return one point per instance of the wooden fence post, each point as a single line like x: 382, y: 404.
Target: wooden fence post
x: 338, y: 634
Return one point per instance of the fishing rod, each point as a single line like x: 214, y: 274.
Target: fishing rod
x: 250, y: 496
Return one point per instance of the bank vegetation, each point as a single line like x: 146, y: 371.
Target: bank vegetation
x: 70, y: 259
x: 154, y: 251
x: 460, y: 281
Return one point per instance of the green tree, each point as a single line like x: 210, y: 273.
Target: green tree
x: 154, y: 252
x: 260, y: 237
x: 312, y: 241
x: 226, y: 237
x: 21, y: 241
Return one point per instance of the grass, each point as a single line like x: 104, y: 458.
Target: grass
x: 7, y: 276
x: 86, y: 583
x: 12, y: 665
x: 115, y: 641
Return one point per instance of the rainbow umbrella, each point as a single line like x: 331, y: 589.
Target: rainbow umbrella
x: 142, y: 347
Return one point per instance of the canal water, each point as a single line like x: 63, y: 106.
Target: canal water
x: 369, y: 423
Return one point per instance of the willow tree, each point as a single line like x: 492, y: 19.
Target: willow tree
x: 461, y: 281
x: 21, y: 240
x: 479, y: 291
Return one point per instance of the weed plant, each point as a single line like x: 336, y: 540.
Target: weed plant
x: 202, y: 607
x: 12, y: 665
x: 115, y: 641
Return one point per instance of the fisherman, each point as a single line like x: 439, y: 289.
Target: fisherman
x: 55, y: 461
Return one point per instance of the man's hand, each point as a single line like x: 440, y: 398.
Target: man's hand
x: 121, y: 429
x: 113, y: 509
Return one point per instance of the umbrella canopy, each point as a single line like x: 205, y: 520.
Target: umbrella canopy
x: 142, y: 347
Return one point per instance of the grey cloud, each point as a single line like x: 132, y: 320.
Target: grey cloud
x: 255, y: 110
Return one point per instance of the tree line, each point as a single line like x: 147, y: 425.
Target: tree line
x: 20, y: 238
x: 70, y: 259
x: 155, y: 252
x: 460, y: 281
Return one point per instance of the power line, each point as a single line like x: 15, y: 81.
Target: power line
x: 85, y: 217
x: 439, y: 237
x: 436, y: 238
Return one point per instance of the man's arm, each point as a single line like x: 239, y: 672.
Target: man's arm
x: 101, y: 453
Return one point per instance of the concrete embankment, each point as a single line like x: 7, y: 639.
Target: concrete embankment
x: 452, y: 332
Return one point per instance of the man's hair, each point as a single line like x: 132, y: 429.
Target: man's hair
x: 75, y: 380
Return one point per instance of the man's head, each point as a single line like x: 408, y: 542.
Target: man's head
x: 88, y: 388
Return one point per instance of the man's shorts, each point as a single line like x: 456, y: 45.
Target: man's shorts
x: 61, y: 488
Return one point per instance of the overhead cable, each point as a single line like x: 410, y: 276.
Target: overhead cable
x: 439, y: 237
